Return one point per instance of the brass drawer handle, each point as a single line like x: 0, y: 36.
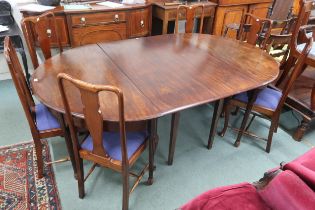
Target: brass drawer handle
x: 48, y: 33
x: 82, y: 20
x: 142, y: 24
x: 116, y: 18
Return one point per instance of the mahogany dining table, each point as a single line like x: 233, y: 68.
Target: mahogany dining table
x: 158, y: 75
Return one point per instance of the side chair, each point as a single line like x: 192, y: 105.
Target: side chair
x: 297, y: 42
x: 249, y: 33
x: 42, y: 123
x: 279, y: 11
x: 257, y: 31
x: 189, y: 14
x: 266, y: 102
x: 115, y: 150
x: 44, y: 25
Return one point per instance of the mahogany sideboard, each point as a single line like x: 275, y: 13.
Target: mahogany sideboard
x: 100, y: 23
x: 232, y: 11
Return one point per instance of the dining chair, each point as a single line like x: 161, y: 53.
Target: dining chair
x: 256, y: 31
x: 189, y: 15
x: 280, y: 38
x: 279, y: 11
x: 297, y: 42
x: 115, y: 150
x: 268, y: 102
x: 250, y: 33
x: 43, y: 124
x: 44, y: 25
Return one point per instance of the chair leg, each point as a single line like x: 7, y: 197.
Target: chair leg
x: 125, y: 200
x: 235, y: 111
x: 151, y: 163
x: 153, y: 135
x: 80, y: 176
x: 70, y: 151
x: 252, y: 98
x: 270, y: 135
x: 69, y: 144
x: 250, y: 122
x: 173, y: 136
x: 215, y: 118
x: 68, y: 141
x: 39, y: 156
x: 227, y: 111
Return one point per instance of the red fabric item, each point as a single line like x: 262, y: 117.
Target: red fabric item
x: 304, y: 167
x: 287, y: 191
x: 235, y: 197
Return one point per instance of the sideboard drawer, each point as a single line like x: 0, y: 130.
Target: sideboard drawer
x: 140, y: 23
x: 97, y: 18
x: 101, y: 33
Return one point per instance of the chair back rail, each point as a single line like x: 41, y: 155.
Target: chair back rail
x: 190, y: 12
x: 251, y: 29
x: 42, y: 25
x: 92, y: 114
x: 20, y: 83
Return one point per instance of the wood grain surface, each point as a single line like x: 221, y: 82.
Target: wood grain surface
x: 158, y: 75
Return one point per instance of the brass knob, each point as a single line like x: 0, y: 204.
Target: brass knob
x: 142, y: 24
x: 116, y: 18
x: 82, y: 20
x: 48, y: 33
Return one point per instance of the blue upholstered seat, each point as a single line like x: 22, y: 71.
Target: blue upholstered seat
x: 44, y: 119
x: 267, y: 98
x: 111, y: 143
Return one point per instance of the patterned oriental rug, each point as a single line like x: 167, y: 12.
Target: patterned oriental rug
x: 19, y: 186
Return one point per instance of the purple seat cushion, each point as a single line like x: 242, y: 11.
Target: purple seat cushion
x: 287, y: 191
x: 111, y: 143
x: 44, y: 119
x: 235, y: 197
x: 304, y: 167
x: 267, y: 98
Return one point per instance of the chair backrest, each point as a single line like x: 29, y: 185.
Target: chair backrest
x: 44, y: 25
x: 254, y: 29
x: 20, y: 83
x: 92, y: 113
x: 281, y: 10
x: 190, y: 12
x: 297, y: 69
x: 304, y: 14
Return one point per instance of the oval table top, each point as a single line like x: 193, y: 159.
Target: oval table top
x: 158, y: 75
